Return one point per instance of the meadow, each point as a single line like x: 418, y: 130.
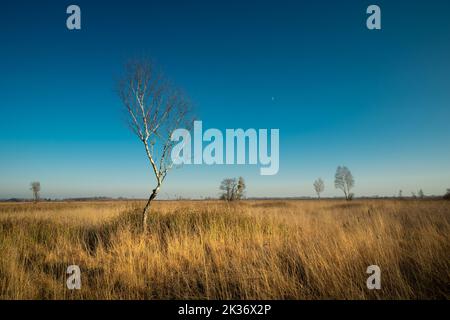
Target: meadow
x: 272, y: 249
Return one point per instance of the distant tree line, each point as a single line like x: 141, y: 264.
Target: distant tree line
x: 344, y: 181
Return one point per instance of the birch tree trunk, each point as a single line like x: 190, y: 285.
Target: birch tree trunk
x: 146, y: 211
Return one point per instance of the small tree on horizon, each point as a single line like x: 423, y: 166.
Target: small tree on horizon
x: 227, y: 187
x: 232, y: 189
x: 319, y: 187
x: 343, y: 180
x: 240, y: 190
x: 447, y: 195
x: 421, y: 194
x: 35, y: 187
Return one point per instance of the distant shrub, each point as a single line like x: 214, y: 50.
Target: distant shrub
x: 447, y: 195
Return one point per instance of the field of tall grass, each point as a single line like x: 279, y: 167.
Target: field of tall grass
x: 218, y: 250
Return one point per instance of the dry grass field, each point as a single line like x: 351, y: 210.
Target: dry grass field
x: 217, y: 250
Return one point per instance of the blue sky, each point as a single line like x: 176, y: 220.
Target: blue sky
x: 375, y: 101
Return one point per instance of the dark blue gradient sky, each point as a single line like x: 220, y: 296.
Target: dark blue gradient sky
x: 376, y: 101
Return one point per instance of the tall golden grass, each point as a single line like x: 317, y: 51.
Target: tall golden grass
x: 218, y: 250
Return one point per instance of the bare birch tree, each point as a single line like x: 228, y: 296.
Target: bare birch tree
x: 35, y: 187
x: 319, y: 186
x: 240, y: 189
x: 155, y: 110
x: 344, y: 180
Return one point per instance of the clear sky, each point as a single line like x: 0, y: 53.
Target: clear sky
x: 375, y: 101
